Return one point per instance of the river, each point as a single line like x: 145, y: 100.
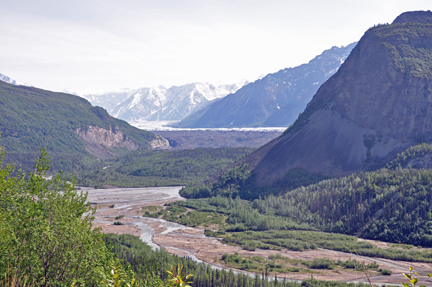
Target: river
x: 127, y: 202
x: 124, y: 204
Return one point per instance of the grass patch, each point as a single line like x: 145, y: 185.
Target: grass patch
x: 281, y: 264
x: 182, y: 215
x: 151, y: 208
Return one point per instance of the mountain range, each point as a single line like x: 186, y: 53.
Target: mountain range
x: 275, y: 100
x: 160, y: 103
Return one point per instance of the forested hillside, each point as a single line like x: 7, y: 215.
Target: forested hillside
x: 238, y: 181
x: 69, y: 127
x: 388, y: 204
x: 418, y: 156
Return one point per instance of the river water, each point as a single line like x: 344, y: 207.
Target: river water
x: 126, y: 201
x: 120, y: 201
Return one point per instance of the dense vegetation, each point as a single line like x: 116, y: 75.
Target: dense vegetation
x: 389, y: 205
x: 282, y: 264
x: 416, y: 157
x: 386, y: 205
x: 160, y: 168
x: 146, y: 262
x: 181, y: 215
x: 45, y: 232
x: 47, y: 240
x: 408, y: 46
x: 238, y: 181
x: 247, y: 227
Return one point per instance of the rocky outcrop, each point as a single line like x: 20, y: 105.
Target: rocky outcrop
x: 102, y: 143
x: 159, y: 143
x: 377, y: 104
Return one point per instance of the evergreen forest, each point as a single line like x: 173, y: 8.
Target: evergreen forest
x: 390, y: 204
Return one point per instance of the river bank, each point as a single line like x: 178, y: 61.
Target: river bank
x: 124, y: 205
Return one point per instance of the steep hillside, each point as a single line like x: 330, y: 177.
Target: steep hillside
x: 376, y: 105
x: 275, y: 100
x: 388, y: 205
x: 68, y: 126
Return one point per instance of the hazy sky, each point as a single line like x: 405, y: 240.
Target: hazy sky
x: 101, y: 45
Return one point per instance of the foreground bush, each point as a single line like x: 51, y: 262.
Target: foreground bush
x: 46, y: 235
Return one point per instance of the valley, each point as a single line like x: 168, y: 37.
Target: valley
x: 128, y: 207
x: 217, y: 138
x: 316, y: 175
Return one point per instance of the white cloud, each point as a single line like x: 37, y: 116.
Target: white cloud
x: 108, y: 44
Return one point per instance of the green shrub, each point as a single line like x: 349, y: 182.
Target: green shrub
x: 385, y: 271
x: 320, y: 263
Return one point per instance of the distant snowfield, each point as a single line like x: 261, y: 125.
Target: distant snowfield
x: 166, y: 126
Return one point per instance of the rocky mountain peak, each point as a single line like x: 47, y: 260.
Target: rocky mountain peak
x: 377, y: 104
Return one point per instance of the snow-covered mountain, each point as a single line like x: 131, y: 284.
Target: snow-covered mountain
x: 160, y: 103
x: 109, y: 100
x: 6, y: 79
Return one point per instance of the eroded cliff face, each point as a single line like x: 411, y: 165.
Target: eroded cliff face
x: 159, y: 143
x: 102, y: 143
x: 376, y: 105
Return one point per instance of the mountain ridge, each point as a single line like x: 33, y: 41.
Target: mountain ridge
x: 274, y: 100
